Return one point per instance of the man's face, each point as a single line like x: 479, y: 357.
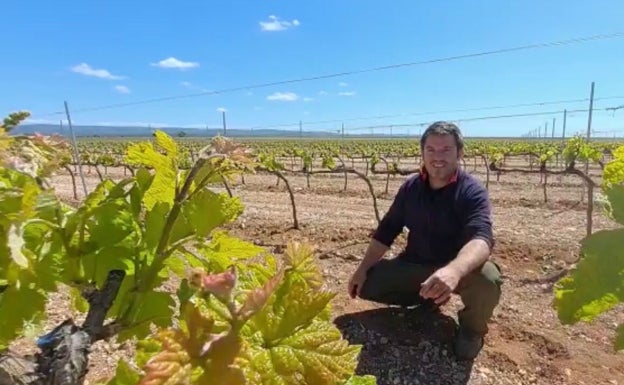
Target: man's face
x: 441, y: 156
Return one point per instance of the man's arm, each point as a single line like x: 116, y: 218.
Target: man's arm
x: 389, y: 228
x: 478, y: 243
x: 375, y: 251
x: 477, y: 235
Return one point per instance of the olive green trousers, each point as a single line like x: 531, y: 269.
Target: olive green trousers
x: 396, y: 282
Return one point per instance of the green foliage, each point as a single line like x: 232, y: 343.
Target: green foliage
x: 252, y: 325
x: 13, y: 120
x: 244, y: 317
x: 613, y: 172
x: 597, y: 284
x: 30, y: 251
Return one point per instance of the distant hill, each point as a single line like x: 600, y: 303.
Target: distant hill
x: 117, y: 131
x: 142, y: 131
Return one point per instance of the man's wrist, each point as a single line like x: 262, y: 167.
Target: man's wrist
x: 460, y: 269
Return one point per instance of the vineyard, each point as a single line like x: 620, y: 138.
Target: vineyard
x: 161, y: 260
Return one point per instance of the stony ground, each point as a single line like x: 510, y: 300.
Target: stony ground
x: 526, y: 343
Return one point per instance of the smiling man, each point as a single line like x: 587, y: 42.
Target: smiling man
x: 448, y: 214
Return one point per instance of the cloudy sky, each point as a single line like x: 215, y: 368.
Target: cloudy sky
x: 182, y: 63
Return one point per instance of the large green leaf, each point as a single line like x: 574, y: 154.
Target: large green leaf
x: 597, y: 284
x: 294, y: 306
x: 19, y: 306
x: 615, y: 195
x: 208, y: 210
x: 163, y: 186
x: 222, y: 251
x: 153, y: 308
x: 314, y: 355
x: 155, y: 223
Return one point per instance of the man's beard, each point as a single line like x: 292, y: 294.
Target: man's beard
x: 443, y: 173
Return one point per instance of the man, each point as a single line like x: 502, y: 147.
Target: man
x: 448, y: 215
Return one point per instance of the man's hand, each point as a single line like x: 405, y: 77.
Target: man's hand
x: 440, y: 285
x: 356, y: 282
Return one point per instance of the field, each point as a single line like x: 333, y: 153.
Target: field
x: 537, y: 229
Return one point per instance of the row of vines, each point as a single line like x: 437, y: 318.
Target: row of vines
x: 367, y: 159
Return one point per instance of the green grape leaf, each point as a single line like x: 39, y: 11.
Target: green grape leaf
x: 613, y: 173
x: 300, y: 259
x: 126, y: 290
x: 293, y: 306
x: 25, y: 306
x: 315, y: 355
x: 124, y: 375
x: 111, y: 222
x: 224, y: 250
x: 163, y: 186
x: 256, y: 299
x: 78, y: 302
x: 596, y: 285
x: 153, y: 308
x: 176, y: 265
x: 155, y: 220
x: 166, y: 143
x: 98, y: 264
x: 615, y: 195
x: 208, y: 210
x: 15, y: 242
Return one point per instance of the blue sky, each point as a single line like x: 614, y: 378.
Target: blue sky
x: 96, y: 54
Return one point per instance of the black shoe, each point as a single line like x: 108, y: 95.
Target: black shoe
x: 467, y: 345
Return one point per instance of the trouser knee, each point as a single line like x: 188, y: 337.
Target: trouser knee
x: 480, y: 292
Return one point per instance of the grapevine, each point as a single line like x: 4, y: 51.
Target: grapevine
x: 597, y: 283
x: 239, y: 315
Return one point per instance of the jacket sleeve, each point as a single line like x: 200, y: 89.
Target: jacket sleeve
x: 391, y: 225
x: 477, y: 215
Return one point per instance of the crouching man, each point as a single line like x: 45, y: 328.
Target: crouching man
x: 448, y: 215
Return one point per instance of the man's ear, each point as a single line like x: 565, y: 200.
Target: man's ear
x: 460, y: 153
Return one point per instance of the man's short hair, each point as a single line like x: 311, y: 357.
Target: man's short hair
x: 443, y: 128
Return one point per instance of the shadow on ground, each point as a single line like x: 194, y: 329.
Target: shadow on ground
x: 405, y: 346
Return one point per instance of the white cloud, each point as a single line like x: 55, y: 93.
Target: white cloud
x: 186, y: 84
x: 322, y: 93
x: 172, y: 62
x: 347, y: 93
x: 221, y: 109
x: 122, y: 89
x: 343, y: 84
x: 87, y: 70
x: 256, y: 108
x: 275, y: 24
x: 307, y: 99
x: 283, y: 96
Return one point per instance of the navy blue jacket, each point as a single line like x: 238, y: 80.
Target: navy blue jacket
x: 440, y: 222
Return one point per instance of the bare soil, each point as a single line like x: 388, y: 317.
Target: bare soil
x: 526, y: 343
